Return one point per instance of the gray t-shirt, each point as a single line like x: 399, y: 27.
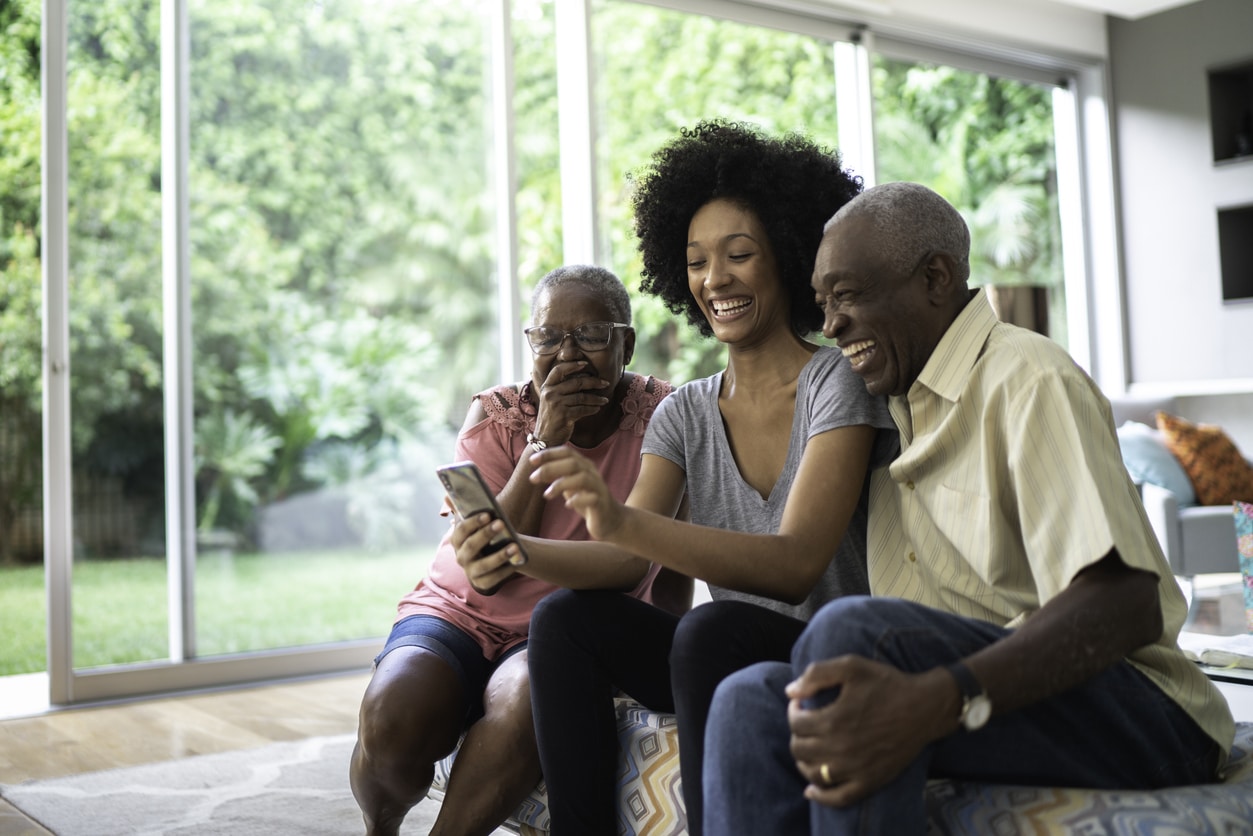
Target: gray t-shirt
x: 687, y: 429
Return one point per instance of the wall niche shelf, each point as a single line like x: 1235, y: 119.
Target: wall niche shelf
x: 1235, y: 252
x: 1231, y: 112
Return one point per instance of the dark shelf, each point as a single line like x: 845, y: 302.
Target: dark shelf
x: 1231, y: 112
x: 1235, y: 252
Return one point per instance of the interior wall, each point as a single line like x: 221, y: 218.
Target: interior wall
x: 1032, y: 24
x: 1182, y: 337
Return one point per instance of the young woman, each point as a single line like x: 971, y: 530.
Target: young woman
x: 456, y: 661
x: 772, y: 454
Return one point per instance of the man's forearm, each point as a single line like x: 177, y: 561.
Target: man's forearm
x: 1107, y: 612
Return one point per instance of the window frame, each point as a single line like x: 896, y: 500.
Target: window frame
x: 1089, y: 236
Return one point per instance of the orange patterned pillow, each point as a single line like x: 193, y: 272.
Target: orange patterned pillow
x: 1213, y: 463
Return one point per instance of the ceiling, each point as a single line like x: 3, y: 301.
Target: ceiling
x: 1130, y: 9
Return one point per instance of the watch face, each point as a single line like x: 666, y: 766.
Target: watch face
x: 978, y: 712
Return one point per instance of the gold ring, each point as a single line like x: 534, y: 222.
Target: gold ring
x: 825, y: 772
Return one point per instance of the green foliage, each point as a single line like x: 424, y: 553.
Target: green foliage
x: 21, y: 432
x: 21, y: 385
x: 342, y: 234
x: 986, y: 144
x: 231, y: 450
x: 659, y: 71
x: 343, y: 218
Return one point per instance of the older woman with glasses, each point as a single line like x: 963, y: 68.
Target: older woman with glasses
x: 455, y: 661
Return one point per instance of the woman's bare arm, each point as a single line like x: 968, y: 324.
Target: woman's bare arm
x: 784, y: 565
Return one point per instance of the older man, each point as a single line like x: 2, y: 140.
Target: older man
x: 1023, y: 622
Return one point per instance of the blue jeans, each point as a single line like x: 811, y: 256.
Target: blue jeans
x: 1117, y: 730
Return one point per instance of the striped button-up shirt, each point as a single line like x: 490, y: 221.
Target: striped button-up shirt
x: 1009, y: 482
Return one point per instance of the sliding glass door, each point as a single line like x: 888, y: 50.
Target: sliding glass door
x: 660, y: 70
x: 323, y: 176
x: 285, y: 242
x: 986, y: 142
x: 342, y: 289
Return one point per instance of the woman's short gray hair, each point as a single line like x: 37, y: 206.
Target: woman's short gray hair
x: 604, y: 283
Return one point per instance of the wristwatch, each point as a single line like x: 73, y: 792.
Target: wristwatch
x: 976, y: 707
x: 535, y: 443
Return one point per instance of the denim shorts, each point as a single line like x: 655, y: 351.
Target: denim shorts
x: 456, y: 648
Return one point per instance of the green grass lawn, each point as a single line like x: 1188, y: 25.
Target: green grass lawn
x: 243, y: 602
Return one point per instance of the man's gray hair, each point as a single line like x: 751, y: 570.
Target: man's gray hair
x: 604, y: 283
x: 909, y: 220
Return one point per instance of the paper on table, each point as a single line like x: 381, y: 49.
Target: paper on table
x: 1220, y: 651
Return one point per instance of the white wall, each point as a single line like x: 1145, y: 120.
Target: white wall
x: 1182, y: 338
x: 1033, y: 24
x: 1239, y: 699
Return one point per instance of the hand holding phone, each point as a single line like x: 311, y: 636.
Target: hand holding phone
x: 469, y: 494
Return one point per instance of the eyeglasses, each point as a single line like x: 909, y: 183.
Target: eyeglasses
x: 590, y: 336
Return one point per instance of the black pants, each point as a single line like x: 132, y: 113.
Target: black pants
x: 584, y: 646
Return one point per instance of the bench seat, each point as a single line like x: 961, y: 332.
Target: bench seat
x: 651, y: 799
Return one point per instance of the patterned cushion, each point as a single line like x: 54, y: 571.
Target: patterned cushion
x: 956, y: 807
x: 650, y: 795
x: 1244, y: 546
x: 1213, y: 463
x: 650, y: 798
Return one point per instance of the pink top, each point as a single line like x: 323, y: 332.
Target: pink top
x: 498, y: 622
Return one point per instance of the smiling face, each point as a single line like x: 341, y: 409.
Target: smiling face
x: 732, y: 273
x: 886, y: 324
x: 567, y: 306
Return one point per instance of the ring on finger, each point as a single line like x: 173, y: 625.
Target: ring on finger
x: 825, y: 772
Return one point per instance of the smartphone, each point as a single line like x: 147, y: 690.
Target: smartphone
x: 469, y: 494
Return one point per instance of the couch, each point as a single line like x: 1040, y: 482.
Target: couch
x: 1197, y: 539
x: 650, y: 797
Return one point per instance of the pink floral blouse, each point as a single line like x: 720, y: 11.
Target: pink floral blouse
x: 498, y: 622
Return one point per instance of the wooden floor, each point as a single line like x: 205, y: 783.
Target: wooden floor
x: 72, y: 741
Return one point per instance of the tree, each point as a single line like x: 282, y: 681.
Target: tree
x: 342, y: 216
x: 985, y: 143
x: 661, y: 70
x: 21, y: 381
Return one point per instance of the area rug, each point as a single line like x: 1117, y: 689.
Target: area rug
x: 282, y: 788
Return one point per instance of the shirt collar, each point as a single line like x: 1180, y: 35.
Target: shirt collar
x: 954, y: 357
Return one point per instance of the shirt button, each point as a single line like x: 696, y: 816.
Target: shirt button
x: 913, y: 558
x: 910, y: 484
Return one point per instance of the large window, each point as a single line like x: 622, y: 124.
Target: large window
x: 660, y: 70
x: 364, y: 216
x: 22, y: 610
x: 342, y: 290
x: 987, y: 144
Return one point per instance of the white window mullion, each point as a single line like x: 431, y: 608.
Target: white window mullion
x: 180, y: 505
x: 505, y: 173
x: 57, y: 466
x: 1104, y: 286
x: 577, y: 133
x: 1073, y: 219
x: 854, y: 100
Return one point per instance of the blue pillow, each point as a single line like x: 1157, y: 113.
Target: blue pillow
x: 1147, y: 459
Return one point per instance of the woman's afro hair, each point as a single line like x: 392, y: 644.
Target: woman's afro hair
x: 791, y: 184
